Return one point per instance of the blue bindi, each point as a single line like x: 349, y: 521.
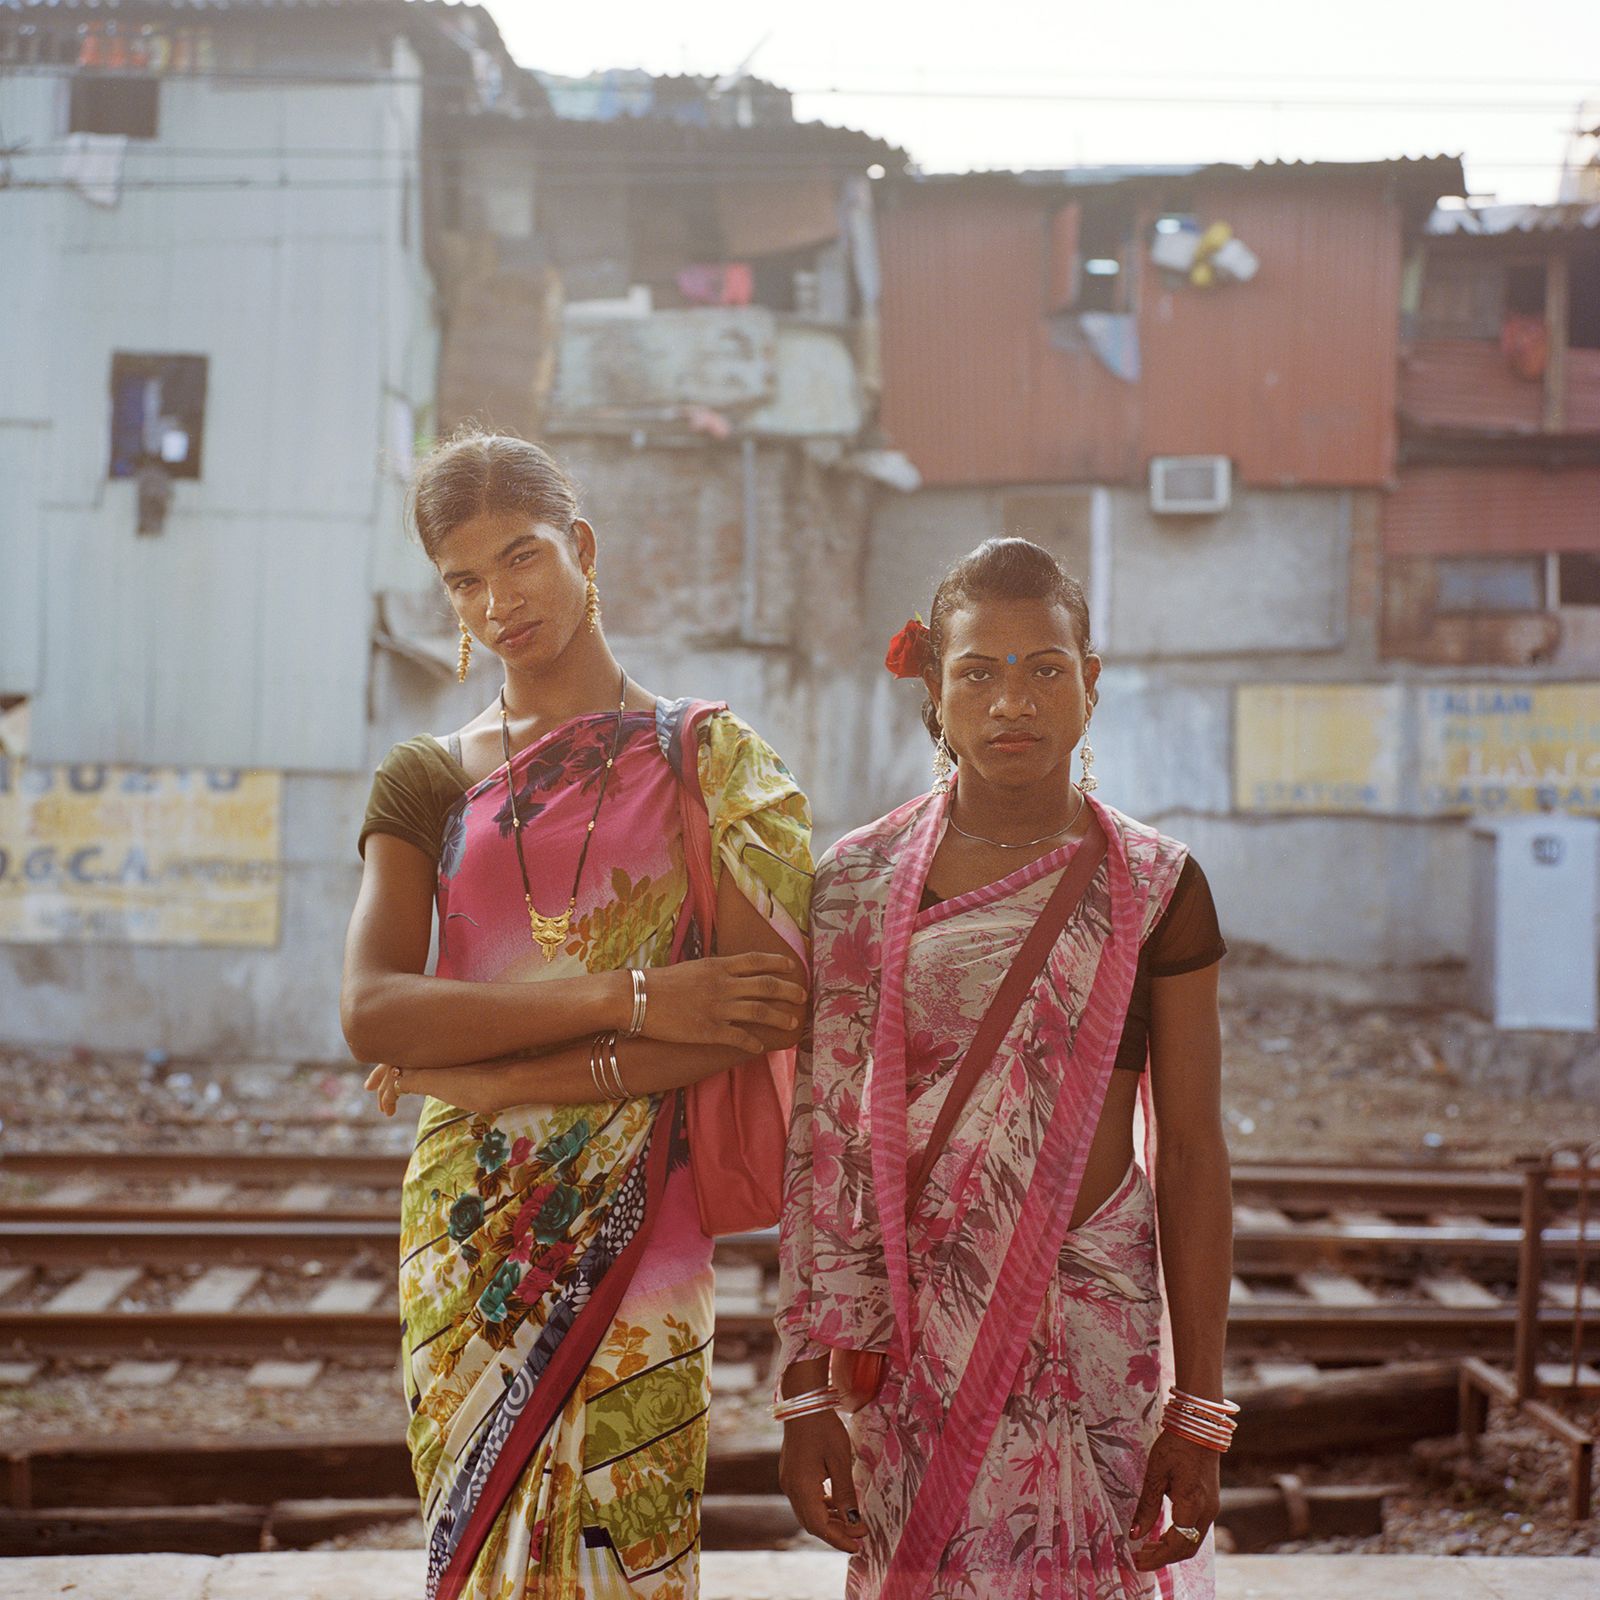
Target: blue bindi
x: 1011, y: 660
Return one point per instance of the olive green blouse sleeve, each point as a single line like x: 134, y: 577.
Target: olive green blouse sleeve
x: 412, y: 791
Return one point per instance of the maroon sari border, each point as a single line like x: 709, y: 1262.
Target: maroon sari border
x: 566, y: 1367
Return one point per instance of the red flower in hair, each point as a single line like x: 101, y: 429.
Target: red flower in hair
x: 910, y: 651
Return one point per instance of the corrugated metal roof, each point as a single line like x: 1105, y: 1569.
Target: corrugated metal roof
x: 1492, y: 511
x: 1489, y: 221
x: 1443, y: 173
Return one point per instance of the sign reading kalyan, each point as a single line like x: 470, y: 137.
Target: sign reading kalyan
x: 138, y: 855
x: 1527, y: 747
x: 1424, y: 750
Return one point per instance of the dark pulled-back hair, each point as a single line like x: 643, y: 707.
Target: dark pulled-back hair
x: 1002, y: 569
x: 474, y: 472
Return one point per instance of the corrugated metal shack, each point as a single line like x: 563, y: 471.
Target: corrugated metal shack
x: 1340, y: 647
x: 1492, y: 539
x: 217, y: 350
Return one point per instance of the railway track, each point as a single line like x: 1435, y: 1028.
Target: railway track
x: 1404, y: 1191
x: 165, y: 1256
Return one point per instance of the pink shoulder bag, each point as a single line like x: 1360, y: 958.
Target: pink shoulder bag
x: 739, y: 1119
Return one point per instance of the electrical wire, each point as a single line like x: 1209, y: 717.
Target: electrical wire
x: 1560, y: 99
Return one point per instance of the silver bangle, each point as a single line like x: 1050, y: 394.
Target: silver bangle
x: 616, y: 1067
x: 641, y: 1000
x: 596, y: 1066
x: 604, y: 1068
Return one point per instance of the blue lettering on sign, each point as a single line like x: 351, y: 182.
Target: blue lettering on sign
x: 78, y: 864
x: 1480, y: 703
x: 135, y: 866
x: 86, y: 778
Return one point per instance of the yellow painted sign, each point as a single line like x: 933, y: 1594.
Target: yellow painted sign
x: 93, y: 853
x: 1313, y: 747
x: 1524, y: 747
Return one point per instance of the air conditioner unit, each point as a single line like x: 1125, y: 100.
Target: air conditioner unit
x: 1190, y: 485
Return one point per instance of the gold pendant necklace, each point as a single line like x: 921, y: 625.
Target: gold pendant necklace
x: 549, y: 934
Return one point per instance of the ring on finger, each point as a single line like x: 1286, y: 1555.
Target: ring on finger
x: 1193, y: 1535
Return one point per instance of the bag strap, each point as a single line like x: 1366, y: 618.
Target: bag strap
x: 1007, y: 1002
x: 696, y: 819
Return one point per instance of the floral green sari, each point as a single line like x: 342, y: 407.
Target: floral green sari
x: 555, y: 1281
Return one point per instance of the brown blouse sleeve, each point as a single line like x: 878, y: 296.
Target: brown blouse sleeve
x: 411, y: 792
x: 1186, y: 937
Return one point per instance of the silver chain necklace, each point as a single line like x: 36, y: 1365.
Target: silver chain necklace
x: 1027, y: 844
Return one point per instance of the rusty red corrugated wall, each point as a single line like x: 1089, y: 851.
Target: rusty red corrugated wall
x: 1292, y: 375
x: 973, y: 390
x: 1468, y: 383
x: 1492, y: 511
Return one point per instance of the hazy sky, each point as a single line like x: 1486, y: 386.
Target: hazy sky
x: 1030, y: 83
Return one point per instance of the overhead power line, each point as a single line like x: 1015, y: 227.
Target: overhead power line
x: 1559, y: 99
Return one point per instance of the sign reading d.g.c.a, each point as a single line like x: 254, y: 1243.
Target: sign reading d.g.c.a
x: 138, y: 855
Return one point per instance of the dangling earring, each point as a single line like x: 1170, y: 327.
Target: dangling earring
x: 591, y: 605
x: 944, y: 766
x: 464, y: 660
x: 1088, y: 783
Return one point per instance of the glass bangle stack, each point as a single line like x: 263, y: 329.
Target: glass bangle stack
x: 1203, y: 1422
x: 809, y: 1404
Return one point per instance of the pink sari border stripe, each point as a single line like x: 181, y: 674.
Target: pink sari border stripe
x: 1041, y: 1229
x: 1054, y: 861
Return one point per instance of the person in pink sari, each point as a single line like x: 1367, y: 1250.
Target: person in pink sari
x: 1014, y: 992
x: 579, y: 848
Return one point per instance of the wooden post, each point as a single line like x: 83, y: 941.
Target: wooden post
x: 1556, y: 299
x: 1473, y: 1404
x: 1530, y: 1276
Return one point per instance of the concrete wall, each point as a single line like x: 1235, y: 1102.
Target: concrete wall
x: 1272, y: 573
x: 271, y: 1005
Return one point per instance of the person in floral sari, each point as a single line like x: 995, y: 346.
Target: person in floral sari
x: 1017, y: 1444
x: 555, y: 1275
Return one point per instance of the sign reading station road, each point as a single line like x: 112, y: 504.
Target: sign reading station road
x: 94, y: 853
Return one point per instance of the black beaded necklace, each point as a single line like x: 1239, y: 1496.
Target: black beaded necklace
x: 550, y: 933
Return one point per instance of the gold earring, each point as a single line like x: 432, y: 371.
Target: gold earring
x: 1089, y: 783
x: 464, y: 660
x: 944, y: 766
x: 591, y: 605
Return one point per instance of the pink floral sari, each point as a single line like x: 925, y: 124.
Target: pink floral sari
x: 1004, y: 1455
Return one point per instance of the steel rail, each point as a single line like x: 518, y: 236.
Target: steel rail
x: 1486, y: 1191
x: 155, y: 1235
x: 1312, y: 1331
